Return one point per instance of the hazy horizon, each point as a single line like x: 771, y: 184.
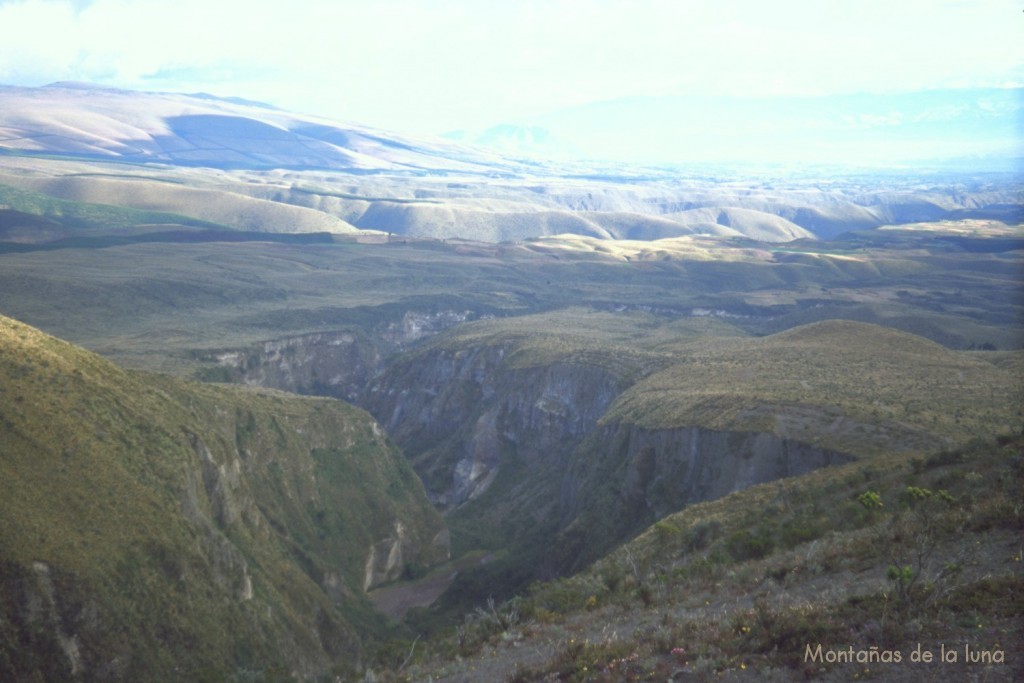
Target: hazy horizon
x: 621, y: 69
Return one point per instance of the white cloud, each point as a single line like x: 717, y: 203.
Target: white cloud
x: 37, y: 40
x: 437, y: 64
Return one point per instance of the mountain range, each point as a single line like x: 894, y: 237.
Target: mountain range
x: 976, y: 126
x: 283, y: 398
x: 231, y: 164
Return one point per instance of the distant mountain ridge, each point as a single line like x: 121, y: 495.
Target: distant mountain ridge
x: 83, y: 121
x: 515, y: 141
x: 232, y: 163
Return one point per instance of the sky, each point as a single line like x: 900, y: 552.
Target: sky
x: 430, y: 66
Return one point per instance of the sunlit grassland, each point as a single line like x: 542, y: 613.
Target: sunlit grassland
x: 82, y: 218
x: 582, y: 336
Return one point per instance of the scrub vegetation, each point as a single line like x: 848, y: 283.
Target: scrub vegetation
x: 872, y: 558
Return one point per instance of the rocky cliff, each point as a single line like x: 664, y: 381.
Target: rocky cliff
x: 325, y: 364
x: 625, y: 477
x: 462, y: 414
x: 337, y: 363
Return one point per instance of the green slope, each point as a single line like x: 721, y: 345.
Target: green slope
x: 155, y: 529
x: 77, y: 218
x: 800, y: 382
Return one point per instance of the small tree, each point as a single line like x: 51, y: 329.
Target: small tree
x: 911, y: 537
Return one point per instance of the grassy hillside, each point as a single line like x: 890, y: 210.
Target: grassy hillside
x: 161, y: 530
x: 74, y: 217
x: 155, y: 199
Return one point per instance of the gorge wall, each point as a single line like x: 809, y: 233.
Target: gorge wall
x: 520, y: 436
x: 336, y: 363
x: 624, y: 478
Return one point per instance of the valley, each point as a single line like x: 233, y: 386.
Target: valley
x: 290, y: 399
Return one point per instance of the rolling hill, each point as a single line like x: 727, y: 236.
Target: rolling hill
x: 85, y: 121
x: 250, y: 166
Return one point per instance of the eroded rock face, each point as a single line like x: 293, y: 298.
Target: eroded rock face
x: 670, y: 468
x: 416, y: 325
x: 43, y: 610
x: 221, y: 482
x: 327, y: 364
x: 625, y: 477
x: 384, y: 561
x: 339, y: 363
x: 460, y: 415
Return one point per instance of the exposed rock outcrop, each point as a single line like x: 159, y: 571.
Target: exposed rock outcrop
x: 326, y: 363
x: 625, y: 477
x: 460, y: 415
x: 385, y: 560
x: 339, y: 363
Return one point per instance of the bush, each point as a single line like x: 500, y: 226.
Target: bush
x: 665, y: 531
x: 745, y: 545
x: 800, y: 530
x: 909, y: 540
x: 702, y: 534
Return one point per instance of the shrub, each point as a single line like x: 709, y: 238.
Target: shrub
x: 800, y: 530
x: 702, y: 534
x: 665, y: 531
x: 745, y: 545
x: 909, y: 540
